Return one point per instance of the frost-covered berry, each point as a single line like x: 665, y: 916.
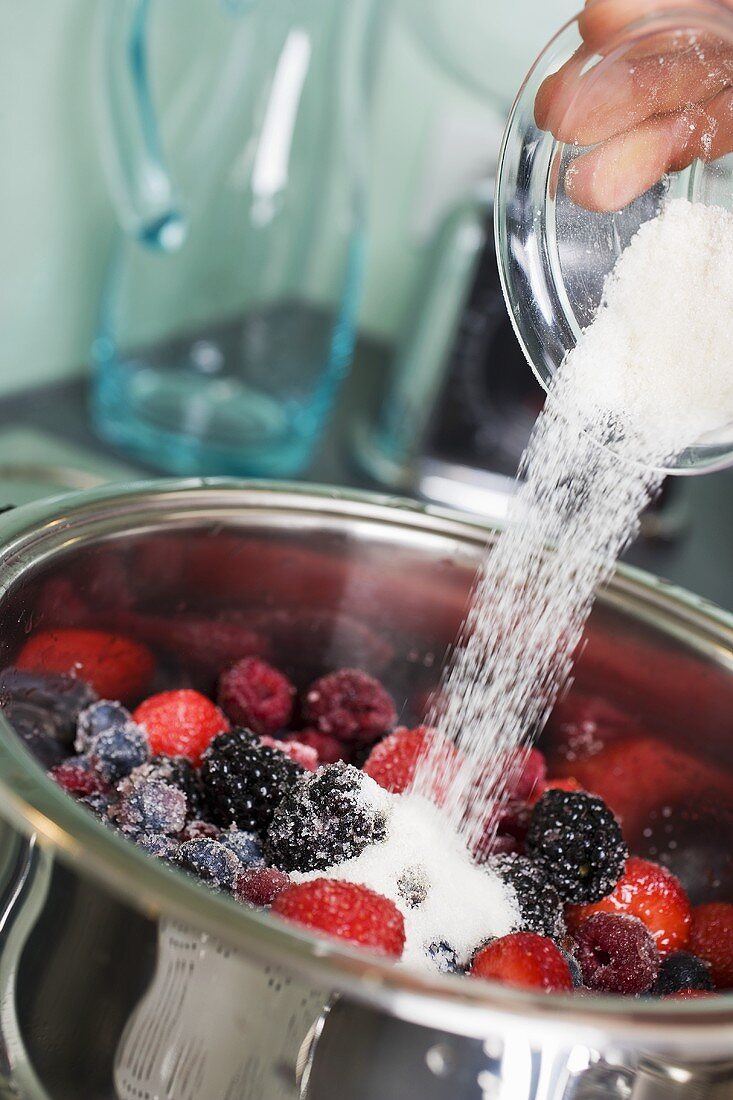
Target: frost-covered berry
x: 149, y: 806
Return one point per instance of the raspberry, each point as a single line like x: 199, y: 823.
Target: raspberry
x: 254, y: 694
x: 244, y: 781
x: 711, y: 939
x: 328, y: 748
x: 100, y: 716
x: 149, y: 806
x: 616, y: 954
x: 525, y: 960
x: 115, y: 752
x: 393, y: 761
x: 324, y: 819
x: 681, y: 972
x: 347, y: 911
x: 350, y: 705
x: 180, y: 723
x: 540, y: 908
x: 578, y: 841
x: 76, y: 777
x: 260, y: 885
x: 505, y: 829
x: 295, y: 750
x: 115, y: 667
x: 652, y: 894
x: 245, y: 846
x: 197, y: 828
x: 210, y: 861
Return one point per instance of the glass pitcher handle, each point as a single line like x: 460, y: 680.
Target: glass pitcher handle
x: 142, y: 189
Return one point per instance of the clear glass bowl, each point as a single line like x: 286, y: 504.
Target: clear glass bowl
x: 554, y: 255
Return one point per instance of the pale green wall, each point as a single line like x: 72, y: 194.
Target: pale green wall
x: 56, y: 225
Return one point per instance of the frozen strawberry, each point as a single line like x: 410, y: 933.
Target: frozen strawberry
x: 260, y: 885
x: 305, y: 755
x: 350, y: 705
x: 254, y: 694
x: 651, y: 893
x: 526, y: 960
x: 180, y: 723
x: 711, y: 939
x: 347, y: 911
x: 637, y: 776
x: 392, y: 762
x: 116, y: 667
x: 328, y: 748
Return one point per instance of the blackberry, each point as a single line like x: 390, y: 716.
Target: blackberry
x: 149, y: 806
x: 540, y: 908
x: 243, y: 781
x: 578, y: 841
x: 323, y: 819
x: 444, y: 958
x: 115, y: 752
x: 245, y: 846
x: 616, y: 954
x: 179, y: 772
x: 682, y: 970
x: 95, y: 719
x: 209, y: 861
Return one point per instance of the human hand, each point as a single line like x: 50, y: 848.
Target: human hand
x: 666, y: 102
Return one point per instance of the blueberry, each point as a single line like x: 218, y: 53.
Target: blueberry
x: 444, y: 957
x: 58, y: 696
x: 99, y: 804
x: 99, y: 717
x: 164, y: 847
x: 115, y: 752
x: 149, y: 806
x: 209, y: 861
x: 245, y: 846
x: 679, y: 971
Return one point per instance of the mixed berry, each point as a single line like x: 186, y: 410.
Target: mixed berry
x: 258, y: 792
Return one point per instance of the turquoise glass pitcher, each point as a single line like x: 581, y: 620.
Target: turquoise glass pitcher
x: 228, y: 315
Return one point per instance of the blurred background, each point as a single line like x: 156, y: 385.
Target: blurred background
x: 254, y: 237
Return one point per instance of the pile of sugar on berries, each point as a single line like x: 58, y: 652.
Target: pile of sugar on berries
x: 231, y: 792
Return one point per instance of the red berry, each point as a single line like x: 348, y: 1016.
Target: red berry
x: 616, y: 954
x: 526, y: 960
x: 260, y: 885
x: 76, y: 779
x: 569, y: 784
x: 393, y: 761
x: 532, y: 772
x: 350, y: 705
x: 180, y: 723
x: 116, y: 667
x: 192, y: 830
x: 651, y: 893
x: 347, y: 911
x: 328, y: 748
x: 255, y: 695
x: 295, y: 750
x: 711, y: 939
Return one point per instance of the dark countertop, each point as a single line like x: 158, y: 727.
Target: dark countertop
x: 49, y: 426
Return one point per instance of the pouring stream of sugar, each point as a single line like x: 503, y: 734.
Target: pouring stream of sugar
x: 648, y: 378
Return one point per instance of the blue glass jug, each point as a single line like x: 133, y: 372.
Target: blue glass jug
x: 228, y: 315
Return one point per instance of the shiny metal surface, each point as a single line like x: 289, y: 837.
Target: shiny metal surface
x: 124, y: 980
